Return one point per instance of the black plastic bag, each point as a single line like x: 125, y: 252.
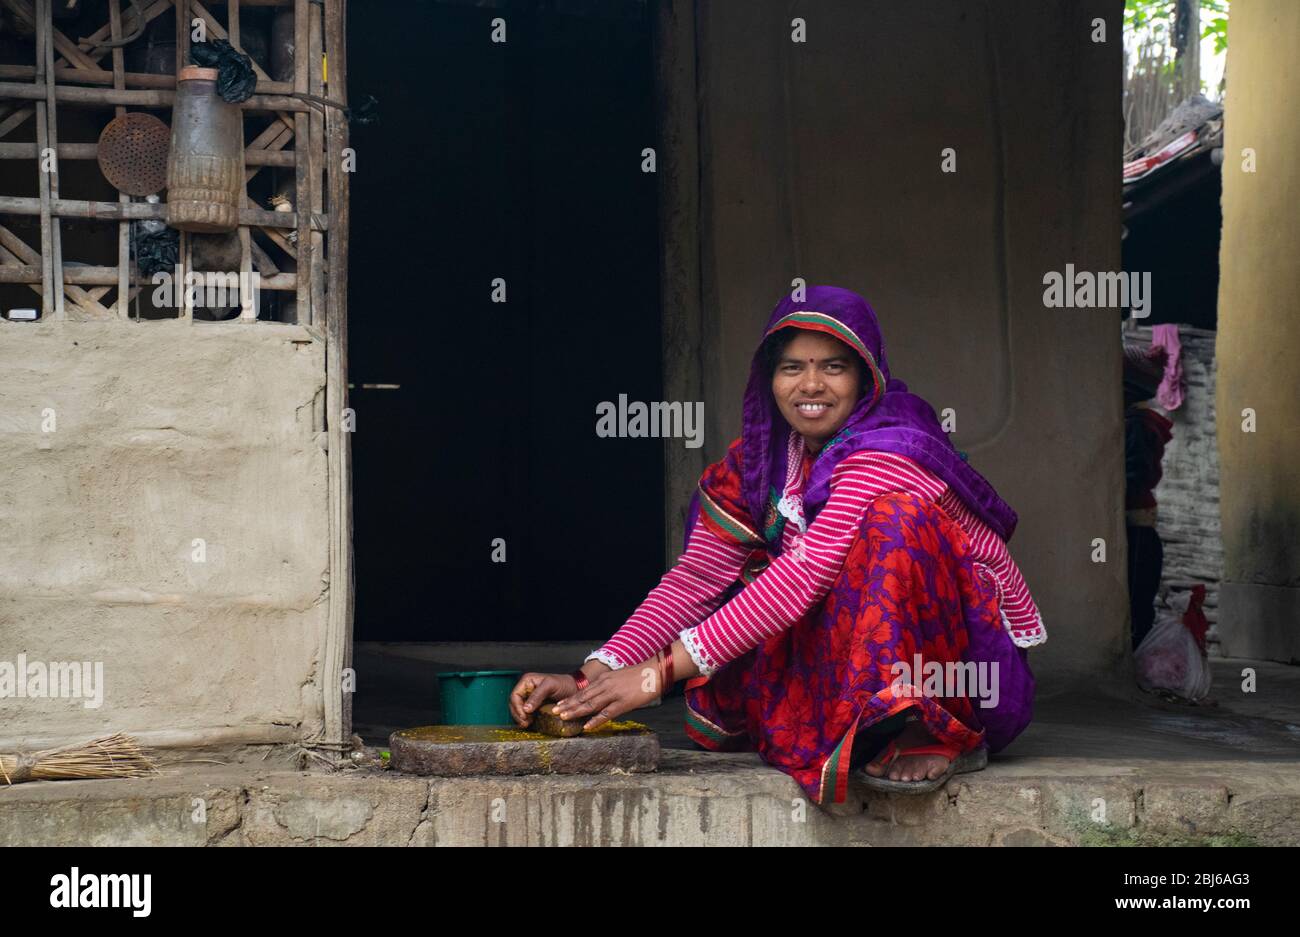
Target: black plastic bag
x: 235, y: 79
x: 160, y: 250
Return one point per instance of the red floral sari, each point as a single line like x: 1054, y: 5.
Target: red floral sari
x: 907, y: 588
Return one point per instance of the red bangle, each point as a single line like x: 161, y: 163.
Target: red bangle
x: 668, y: 669
x: 580, y: 678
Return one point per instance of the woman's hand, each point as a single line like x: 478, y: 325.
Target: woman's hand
x: 612, y: 694
x: 534, y: 689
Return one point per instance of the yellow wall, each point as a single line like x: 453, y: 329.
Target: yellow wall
x: 1259, y: 334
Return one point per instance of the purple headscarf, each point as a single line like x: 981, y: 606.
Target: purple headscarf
x: 888, y: 418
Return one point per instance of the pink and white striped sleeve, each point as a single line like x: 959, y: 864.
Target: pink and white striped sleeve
x: 685, y: 596
x: 800, y: 577
x: 1020, y: 615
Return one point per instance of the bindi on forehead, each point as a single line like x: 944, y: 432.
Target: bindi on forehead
x: 829, y: 359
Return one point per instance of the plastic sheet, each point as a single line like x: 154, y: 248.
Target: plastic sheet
x: 236, y: 80
x: 157, y: 251
x: 1172, y: 656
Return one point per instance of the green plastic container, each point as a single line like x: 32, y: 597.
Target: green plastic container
x: 477, y: 697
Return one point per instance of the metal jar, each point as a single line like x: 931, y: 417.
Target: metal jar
x: 205, y: 171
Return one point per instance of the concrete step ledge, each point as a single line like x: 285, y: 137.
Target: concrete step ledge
x: 696, y: 799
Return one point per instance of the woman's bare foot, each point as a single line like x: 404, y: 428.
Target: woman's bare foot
x: 910, y: 767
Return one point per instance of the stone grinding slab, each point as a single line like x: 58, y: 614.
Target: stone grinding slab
x: 456, y: 751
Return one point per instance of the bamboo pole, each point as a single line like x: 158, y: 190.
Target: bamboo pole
x: 14, y: 119
x: 315, y: 158
x: 247, y: 302
x: 134, y: 80
x: 186, y: 309
x: 19, y: 272
x: 115, y: 211
x: 44, y: 9
x: 338, y: 635
x: 280, y: 241
x: 338, y: 723
x: 279, y: 137
x: 109, y: 97
x: 302, y: 147
x: 262, y: 260
x: 24, y: 13
x: 90, y: 151
x: 232, y: 23
x: 266, y: 139
x: 123, y: 226
x: 52, y: 136
x: 30, y: 274
x: 149, y: 14
x: 47, y: 220
x: 87, y: 300
x: 20, y: 253
x: 186, y: 247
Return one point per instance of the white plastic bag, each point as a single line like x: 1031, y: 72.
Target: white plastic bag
x: 1170, y: 657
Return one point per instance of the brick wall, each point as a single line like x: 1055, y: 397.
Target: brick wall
x: 1188, y: 494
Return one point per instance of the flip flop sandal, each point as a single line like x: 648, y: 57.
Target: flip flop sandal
x: 958, y: 763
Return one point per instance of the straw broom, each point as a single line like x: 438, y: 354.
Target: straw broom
x: 113, y: 756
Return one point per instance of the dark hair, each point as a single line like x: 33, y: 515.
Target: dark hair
x: 774, y: 347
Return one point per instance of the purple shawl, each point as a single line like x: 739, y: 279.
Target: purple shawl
x: 888, y: 418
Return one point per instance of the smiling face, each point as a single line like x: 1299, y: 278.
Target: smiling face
x: 816, y: 383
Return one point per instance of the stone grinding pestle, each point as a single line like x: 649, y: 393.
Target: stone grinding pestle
x: 547, y: 722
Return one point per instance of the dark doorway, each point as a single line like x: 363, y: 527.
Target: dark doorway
x: 521, y: 161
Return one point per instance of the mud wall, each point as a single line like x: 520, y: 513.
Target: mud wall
x: 163, y: 515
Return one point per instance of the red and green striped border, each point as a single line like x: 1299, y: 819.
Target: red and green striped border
x: 724, y: 523
x: 835, y: 770
x: 820, y: 322
x: 712, y: 737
